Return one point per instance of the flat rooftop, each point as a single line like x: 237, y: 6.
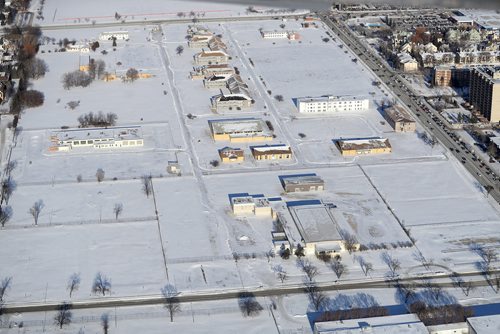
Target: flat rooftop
x: 363, y: 144
x: 238, y: 126
x: 315, y: 223
x: 485, y: 325
x: 327, y: 98
x: 302, y: 180
x: 116, y: 133
x: 395, y: 324
x: 271, y: 148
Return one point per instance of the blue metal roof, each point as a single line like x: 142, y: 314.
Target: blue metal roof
x: 231, y: 196
x: 274, y: 199
x: 303, y: 202
x: 258, y: 196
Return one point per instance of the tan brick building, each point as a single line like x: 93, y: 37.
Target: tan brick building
x: 485, y: 91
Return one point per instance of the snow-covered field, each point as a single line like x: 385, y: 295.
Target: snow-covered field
x: 184, y: 233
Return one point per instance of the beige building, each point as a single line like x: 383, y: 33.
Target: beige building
x: 230, y: 101
x: 229, y: 154
x: 302, y: 183
x: 200, y: 40
x: 351, y: 147
x: 216, y: 81
x: 211, y: 58
x: 271, y: 152
x: 400, y: 119
x: 407, y: 63
x: 240, y: 130
x: 484, y: 92
x: 330, y: 104
x: 202, y: 72
x: 248, y: 205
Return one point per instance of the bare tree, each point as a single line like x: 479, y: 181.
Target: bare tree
x: 406, y: 291
x: 8, y: 187
x: 179, y: 50
x: 132, y: 74
x: 350, y: 242
x: 489, y: 255
x: 467, y: 288
x: 101, y: 285
x: 308, y: 268
x: 76, y: 79
x: 338, y: 268
x: 435, y: 290
x: 248, y: 304
x: 4, y: 286
x: 118, y: 208
x: 280, y: 272
x: 11, y: 165
x: 316, y: 297
x: 365, y: 266
x: 147, y: 185
x: 105, y: 322
x: 393, y: 263
x: 5, y: 214
x: 35, y: 210
x: 171, y: 300
x: 299, y: 251
x: 63, y: 315
x: 73, y: 283
x: 99, y: 175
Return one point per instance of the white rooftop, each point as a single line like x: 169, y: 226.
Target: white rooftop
x: 327, y: 98
x: 117, y: 133
x: 238, y: 126
x: 315, y: 223
x: 395, y: 324
x: 485, y: 325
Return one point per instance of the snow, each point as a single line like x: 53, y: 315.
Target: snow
x: 185, y: 233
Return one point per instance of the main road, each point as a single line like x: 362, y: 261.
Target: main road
x: 397, y: 85
x: 444, y: 281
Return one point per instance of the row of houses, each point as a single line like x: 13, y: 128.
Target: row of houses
x: 458, y: 58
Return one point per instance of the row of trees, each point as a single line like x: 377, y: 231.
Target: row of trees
x: 97, y: 120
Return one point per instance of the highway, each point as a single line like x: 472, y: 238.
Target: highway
x: 430, y: 122
x: 380, y: 283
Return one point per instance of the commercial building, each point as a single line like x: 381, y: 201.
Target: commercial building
x: 240, y: 130
x: 108, y: 36
x: 271, y: 152
x: 281, y: 34
x: 244, y: 204
x: 364, y: 146
x: 302, y: 183
x: 330, y: 104
x: 96, y: 138
x: 318, y: 229
x: 400, y: 119
x: 211, y: 58
x: 229, y: 154
x: 394, y: 324
x: 230, y: 101
x: 484, y: 92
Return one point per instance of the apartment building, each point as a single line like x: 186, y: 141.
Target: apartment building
x: 484, y: 91
x: 329, y: 104
x: 211, y: 58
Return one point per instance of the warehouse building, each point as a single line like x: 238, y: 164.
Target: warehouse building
x: 302, y: 183
x: 364, y: 146
x: 331, y: 104
x: 318, y: 229
x: 240, y: 130
x: 400, y: 119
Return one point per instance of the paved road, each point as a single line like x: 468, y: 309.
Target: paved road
x: 164, y: 21
x: 424, y: 115
x: 422, y: 281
